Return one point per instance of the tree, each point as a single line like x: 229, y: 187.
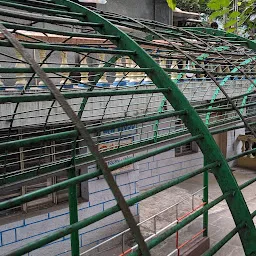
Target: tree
x: 243, y: 13
x: 236, y: 15
x: 193, y: 6
x: 189, y: 5
x: 203, y: 6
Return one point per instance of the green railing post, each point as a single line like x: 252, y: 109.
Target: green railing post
x: 73, y: 214
x: 205, y: 200
x: 73, y: 209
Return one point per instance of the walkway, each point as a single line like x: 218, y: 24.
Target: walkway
x: 220, y: 220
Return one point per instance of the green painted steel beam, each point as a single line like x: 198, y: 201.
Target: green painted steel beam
x: 161, y: 237
x: 206, y: 201
x: 241, y: 155
x: 57, y: 32
x: 73, y: 204
x: 96, y: 128
x: 28, y: 197
x: 224, y: 109
x: 52, y: 20
x: 46, y: 168
x: 72, y: 95
x: 227, y: 129
x: 249, y: 43
x: 12, y: 145
x: 137, y: 120
x: 219, y: 102
x: 248, y: 183
x: 78, y: 69
x: 70, y: 134
x: 39, y: 9
x: 223, y: 241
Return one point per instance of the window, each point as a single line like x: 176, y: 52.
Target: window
x: 32, y: 157
x: 188, y: 148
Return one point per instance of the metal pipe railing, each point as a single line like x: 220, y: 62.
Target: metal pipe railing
x: 28, y: 197
x: 47, y: 168
x: 83, y: 223
x: 81, y: 94
x: 223, y: 241
x: 154, y: 242
x: 146, y: 220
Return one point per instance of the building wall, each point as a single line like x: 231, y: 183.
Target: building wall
x: 29, y: 228
x: 147, y: 9
x: 234, y: 146
x: 164, y: 167
x: 142, y: 175
x: 133, y: 8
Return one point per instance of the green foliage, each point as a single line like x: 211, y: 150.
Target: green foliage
x: 241, y: 17
x: 171, y: 4
x: 234, y: 15
x: 189, y: 5
x: 199, y: 6
x: 216, y: 14
x: 203, y: 7
x: 217, y: 5
x: 218, y: 8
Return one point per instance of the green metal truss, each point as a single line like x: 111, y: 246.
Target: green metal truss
x: 164, y: 77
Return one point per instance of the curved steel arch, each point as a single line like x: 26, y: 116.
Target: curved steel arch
x: 212, y: 154
x: 194, y: 124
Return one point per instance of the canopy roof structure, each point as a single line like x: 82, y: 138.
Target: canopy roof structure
x: 72, y: 75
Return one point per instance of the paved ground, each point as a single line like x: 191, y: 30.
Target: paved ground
x: 220, y: 220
